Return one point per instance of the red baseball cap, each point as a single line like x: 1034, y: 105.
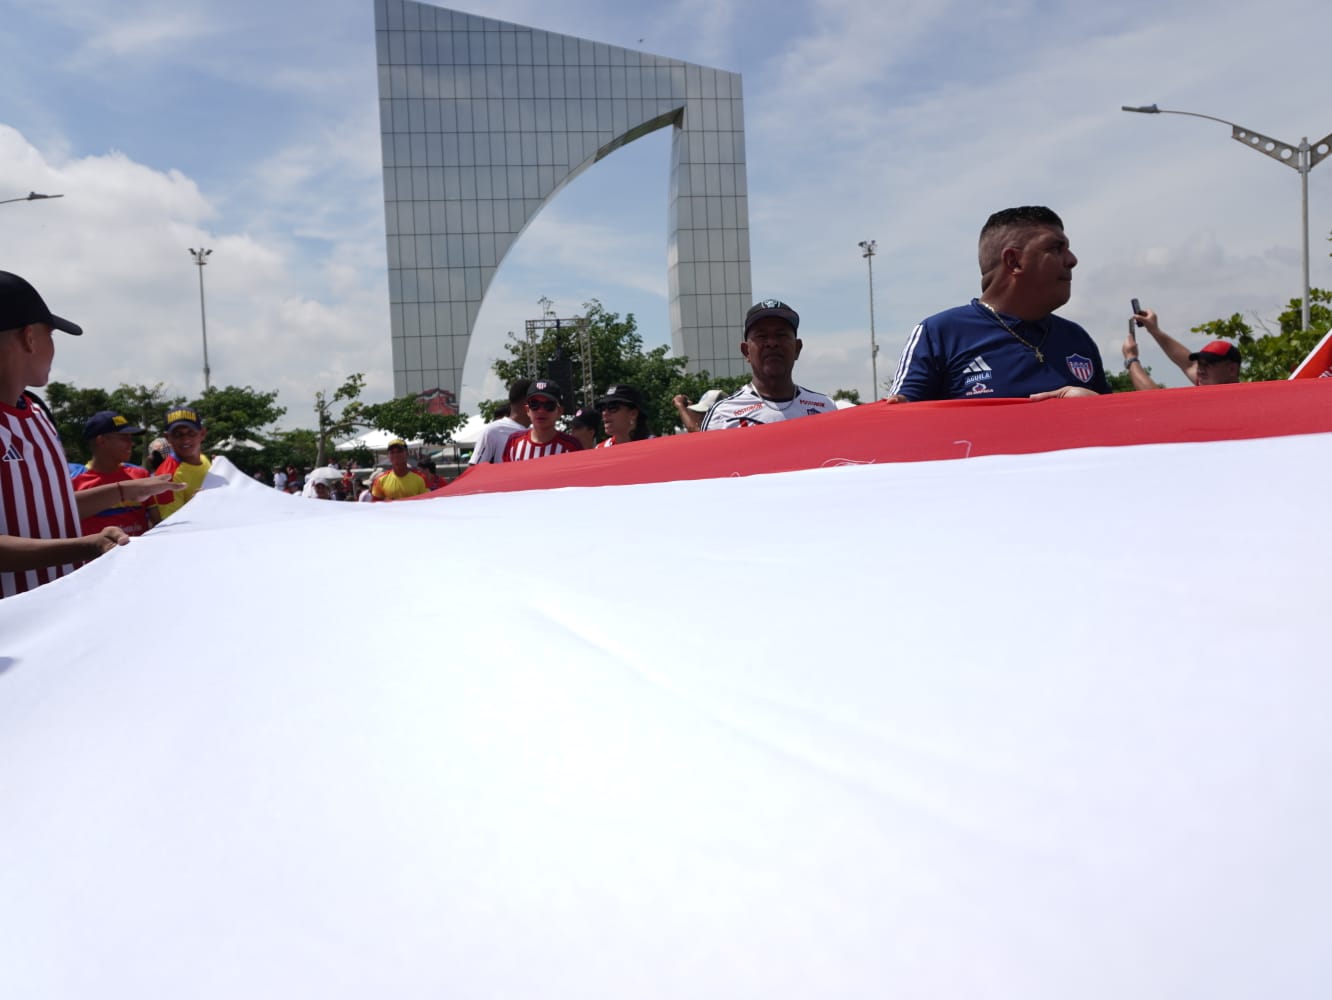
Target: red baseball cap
x: 1217, y: 350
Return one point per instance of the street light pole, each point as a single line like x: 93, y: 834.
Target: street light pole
x: 31, y: 196
x: 201, y: 258
x: 868, y: 248
x: 1301, y: 158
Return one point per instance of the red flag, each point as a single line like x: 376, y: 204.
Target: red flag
x: 1319, y: 362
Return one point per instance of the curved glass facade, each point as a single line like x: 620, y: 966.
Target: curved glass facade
x: 483, y: 122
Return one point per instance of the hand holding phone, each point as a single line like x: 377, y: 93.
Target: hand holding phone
x: 1137, y: 311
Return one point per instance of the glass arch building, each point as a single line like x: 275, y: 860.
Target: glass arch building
x: 483, y: 121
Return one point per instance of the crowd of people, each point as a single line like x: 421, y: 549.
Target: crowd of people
x: 343, y: 481
x: 1007, y: 342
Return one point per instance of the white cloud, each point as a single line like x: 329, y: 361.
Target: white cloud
x: 112, y: 255
x: 156, y: 31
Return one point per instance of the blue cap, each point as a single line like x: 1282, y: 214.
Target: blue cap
x: 108, y: 422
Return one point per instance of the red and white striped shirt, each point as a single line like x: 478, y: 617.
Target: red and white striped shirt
x: 521, y: 447
x: 36, y: 494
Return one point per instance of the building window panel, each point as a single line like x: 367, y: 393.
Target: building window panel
x: 539, y: 105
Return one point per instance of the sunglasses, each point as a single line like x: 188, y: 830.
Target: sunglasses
x: 613, y: 407
x: 549, y: 405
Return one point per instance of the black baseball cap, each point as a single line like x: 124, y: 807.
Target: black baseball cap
x: 20, y: 305
x: 771, y: 307
x: 586, y: 417
x: 621, y: 394
x: 546, y: 387
x: 108, y: 422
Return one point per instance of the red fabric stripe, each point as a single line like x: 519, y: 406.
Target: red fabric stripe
x: 918, y: 432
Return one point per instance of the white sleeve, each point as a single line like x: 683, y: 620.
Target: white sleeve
x: 715, y: 418
x: 484, y: 447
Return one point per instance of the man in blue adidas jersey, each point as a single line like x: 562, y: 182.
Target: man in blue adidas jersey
x: 1008, y: 342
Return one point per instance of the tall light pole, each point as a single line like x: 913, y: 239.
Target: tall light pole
x: 31, y: 196
x: 867, y: 250
x: 1301, y: 158
x: 201, y: 258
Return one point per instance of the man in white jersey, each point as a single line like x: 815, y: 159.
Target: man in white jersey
x: 771, y: 347
x: 40, y: 537
x: 495, y: 435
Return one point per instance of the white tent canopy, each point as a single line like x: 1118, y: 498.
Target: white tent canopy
x: 469, y: 433
x: 236, y: 444
x: 375, y: 440
x: 465, y: 436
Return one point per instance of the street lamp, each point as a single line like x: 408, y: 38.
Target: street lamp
x: 868, y: 248
x: 201, y: 258
x: 31, y: 196
x: 1301, y: 158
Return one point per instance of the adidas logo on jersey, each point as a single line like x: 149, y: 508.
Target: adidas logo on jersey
x: 977, y: 371
x: 12, y: 454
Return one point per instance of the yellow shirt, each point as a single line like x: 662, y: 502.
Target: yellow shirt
x: 181, y: 472
x: 391, y: 486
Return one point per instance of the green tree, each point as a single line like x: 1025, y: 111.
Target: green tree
x: 237, y: 413
x: 1273, y: 354
x: 488, y: 407
x: 147, y: 406
x: 299, y: 448
x: 334, y: 422
x: 229, y: 412
x: 408, y: 418
x: 1122, y: 381
x: 617, y: 356
x: 851, y: 395
x: 71, y: 407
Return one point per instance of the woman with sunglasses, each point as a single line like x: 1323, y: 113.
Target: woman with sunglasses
x: 543, y: 437
x: 622, y: 414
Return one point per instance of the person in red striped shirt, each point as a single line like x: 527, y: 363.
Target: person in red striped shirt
x: 40, y: 536
x: 543, y: 438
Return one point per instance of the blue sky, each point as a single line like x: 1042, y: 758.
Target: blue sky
x: 252, y: 128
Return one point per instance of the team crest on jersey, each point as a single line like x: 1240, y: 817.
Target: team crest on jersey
x: 975, y: 373
x: 1081, y: 367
